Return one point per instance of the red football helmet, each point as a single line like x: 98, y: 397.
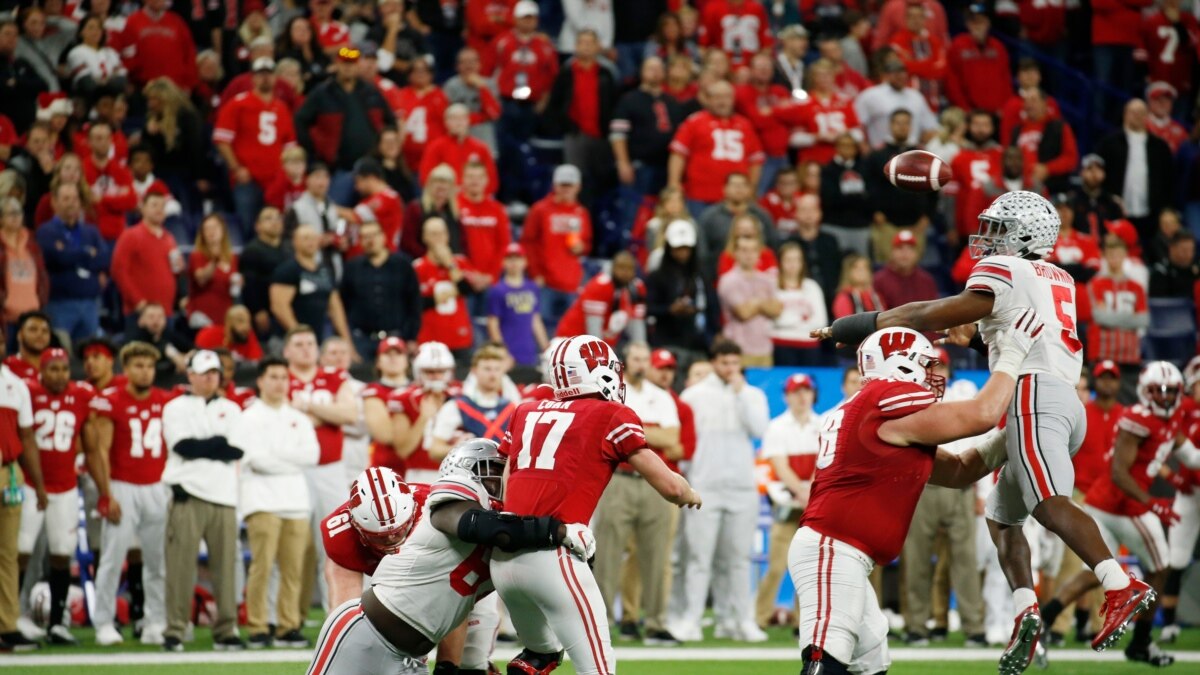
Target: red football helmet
x: 382, y: 509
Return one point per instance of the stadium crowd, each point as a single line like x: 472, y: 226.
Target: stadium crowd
x: 353, y: 204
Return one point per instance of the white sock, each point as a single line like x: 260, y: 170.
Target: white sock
x: 1111, y: 576
x: 1023, y: 599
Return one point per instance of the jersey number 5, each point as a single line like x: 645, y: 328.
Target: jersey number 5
x: 1062, y: 296
x: 542, y: 456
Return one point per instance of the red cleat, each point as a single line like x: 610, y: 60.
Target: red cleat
x: 1120, y: 607
x: 1023, y: 644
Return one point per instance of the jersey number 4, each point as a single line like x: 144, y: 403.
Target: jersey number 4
x: 538, y: 447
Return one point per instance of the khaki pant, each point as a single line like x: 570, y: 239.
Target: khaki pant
x: 188, y: 522
x: 630, y: 507
x: 941, y: 581
x: 881, y: 240
x: 777, y: 563
x: 631, y: 578
x: 275, y: 540
x: 953, y: 511
x: 758, y: 360
x: 10, y: 525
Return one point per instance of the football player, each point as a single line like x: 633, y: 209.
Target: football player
x: 413, y: 410
x: 1181, y: 539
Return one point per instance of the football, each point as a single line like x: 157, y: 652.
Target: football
x: 918, y: 171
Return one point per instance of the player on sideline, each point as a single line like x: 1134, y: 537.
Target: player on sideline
x: 1147, y: 435
x: 1016, y: 232
x: 1181, y: 538
x: 423, y: 592
x: 551, y: 595
x: 877, y: 451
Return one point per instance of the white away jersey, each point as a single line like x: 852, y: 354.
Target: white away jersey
x: 1017, y: 283
x: 433, y: 581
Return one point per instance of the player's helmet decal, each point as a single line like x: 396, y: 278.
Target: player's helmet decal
x: 901, y: 354
x: 382, y: 509
x: 1022, y: 224
x: 1160, y: 388
x: 584, y: 365
x: 478, y: 459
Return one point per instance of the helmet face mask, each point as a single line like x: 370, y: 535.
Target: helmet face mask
x: 1160, y: 388
x: 1021, y: 224
x: 478, y: 459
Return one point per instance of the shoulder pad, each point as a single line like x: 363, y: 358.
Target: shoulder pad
x: 457, y: 488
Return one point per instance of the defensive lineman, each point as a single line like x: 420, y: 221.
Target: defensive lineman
x: 1017, y: 231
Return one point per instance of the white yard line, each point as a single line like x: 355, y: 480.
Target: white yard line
x: 504, y: 653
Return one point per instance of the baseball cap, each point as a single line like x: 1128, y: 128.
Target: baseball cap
x: 368, y: 166
x: 514, y: 250
x: 662, y: 358
x: 389, y: 343
x: 904, y: 238
x: 1106, y: 367
x: 1090, y: 159
x: 1161, y: 88
x: 55, y: 354
x: 1125, y: 230
x: 525, y: 8
x: 796, y: 381
x: 1060, y: 199
x: 567, y: 174
x: 681, y: 233
x: 263, y: 63
x: 204, y: 361
x: 349, y: 54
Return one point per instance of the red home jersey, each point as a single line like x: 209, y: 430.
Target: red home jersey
x: 864, y: 490
x: 1171, y: 49
x: 342, y: 543
x: 820, y: 118
x: 408, y: 403
x: 257, y: 131
x: 526, y: 68
x: 424, y: 121
x: 715, y: 147
x: 138, y: 453
x: 322, y: 389
x: 1156, y: 440
x: 550, y: 478
x: 973, y: 170
x: 486, y: 233
x: 1124, y: 296
x: 1092, y: 459
x: 22, y: 368
x: 386, y: 208
x: 57, y: 422
x: 740, y: 30
x: 615, y: 308
x: 447, y: 321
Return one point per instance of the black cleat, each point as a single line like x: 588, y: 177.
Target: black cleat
x: 1151, y: 654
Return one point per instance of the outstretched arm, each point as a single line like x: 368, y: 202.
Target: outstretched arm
x: 673, y: 487
x: 932, y: 315
x: 951, y: 421
x: 960, y: 471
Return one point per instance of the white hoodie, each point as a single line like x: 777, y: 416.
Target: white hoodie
x: 726, y: 424
x: 279, y: 444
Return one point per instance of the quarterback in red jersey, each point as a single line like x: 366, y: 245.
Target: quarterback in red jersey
x: 552, y: 595
x: 127, y: 462
x: 877, y: 451
x: 1147, y: 435
x: 59, y: 410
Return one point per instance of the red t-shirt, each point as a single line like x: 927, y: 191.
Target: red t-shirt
x: 531, y: 63
x: 216, y: 297
x: 1093, y: 457
x: 1126, y: 296
x: 1045, y: 23
x: 566, y: 482
x: 458, y: 154
x: 815, y: 118
x: 386, y: 208
x: 741, y: 30
x: 138, y: 454
x: 782, y: 211
x: 773, y: 130
x: 486, y: 233
x: 322, y: 389
x: 865, y: 491
x: 448, y: 322
x: 424, y: 120
x: 213, y: 337
x: 257, y: 131
x: 585, y: 99
x: 141, y: 268
x: 281, y: 191
x: 487, y: 20
x: 1171, y: 49
x: 601, y: 299
x: 973, y: 169
x: 550, y: 230
x: 715, y: 147
x: 1156, y: 440
x: 57, y: 423
x: 113, y: 195
x: 22, y: 368
x: 156, y: 47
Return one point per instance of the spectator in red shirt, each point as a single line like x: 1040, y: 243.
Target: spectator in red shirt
x: 1044, y: 25
x: 487, y: 20
x: 977, y: 66
x: 1119, y: 310
x: 527, y: 64
x: 156, y: 42
x: 486, y: 230
x: 856, y: 291
x: 235, y: 334
x: 1170, y: 44
x: 737, y: 27
x: 1116, y: 31
x: 1048, y: 144
x: 825, y: 115
x: 1029, y: 79
x: 146, y: 260
x: 458, y: 149
x: 446, y: 279
x: 332, y: 34
x: 110, y: 183
x: 846, y: 80
x: 893, y: 17
x: 557, y: 233
x: 422, y: 105
x: 1160, y: 99
x: 581, y: 107
x: 923, y: 53
x: 902, y: 281
x: 213, y: 278
x: 287, y: 185
x: 709, y: 146
x: 252, y: 130
x: 756, y: 101
x: 611, y: 306
x: 380, y: 204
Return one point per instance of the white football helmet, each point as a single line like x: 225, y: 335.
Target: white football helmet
x: 585, y: 365
x: 1160, y: 388
x: 433, y: 356
x: 1191, y: 373
x: 900, y: 354
x: 546, y: 356
x: 1020, y: 224
x: 479, y: 460
x: 382, y: 509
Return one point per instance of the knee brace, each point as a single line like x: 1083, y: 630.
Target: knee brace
x: 817, y: 662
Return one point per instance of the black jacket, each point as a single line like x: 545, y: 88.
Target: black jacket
x: 900, y: 207
x: 845, y: 198
x: 383, y: 299
x: 1115, y: 151
x: 19, y: 88
x: 556, y: 119
x: 664, y: 286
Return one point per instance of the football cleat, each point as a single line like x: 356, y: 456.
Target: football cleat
x: 1120, y: 607
x: 1022, y: 646
x: 534, y: 663
x: 1151, y: 654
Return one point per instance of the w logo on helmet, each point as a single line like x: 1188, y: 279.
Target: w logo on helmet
x: 594, y: 354
x: 900, y: 341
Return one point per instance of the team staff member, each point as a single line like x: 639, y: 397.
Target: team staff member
x: 127, y: 464
x: 16, y: 445
x: 203, y: 479
x: 631, y: 508
x: 790, y: 445
x: 484, y: 412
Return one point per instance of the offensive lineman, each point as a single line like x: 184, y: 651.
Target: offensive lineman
x: 877, y: 451
x: 424, y: 591
x: 1017, y: 232
x: 551, y: 595
x: 1120, y: 502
